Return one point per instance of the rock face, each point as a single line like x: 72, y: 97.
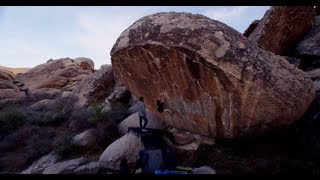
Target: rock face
x: 251, y: 28
x: 117, y: 103
x: 96, y: 87
x: 309, y: 47
x: 120, y: 93
x: 65, y: 167
x: 215, y: 82
x: 60, y: 73
x: 90, y: 168
x: 282, y: 27
x: 42, y: 164
x: 127, y: 146
x: 41, y: 105
x: 133, y: 121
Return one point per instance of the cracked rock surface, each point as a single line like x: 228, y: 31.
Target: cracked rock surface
x: 282, y: 27
x: 215, y: 82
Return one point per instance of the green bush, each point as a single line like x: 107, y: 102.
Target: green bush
x: 97, y: 115
x: 10, y: 119
x: 118, y: 112
x: 63, y: 145
x: 40, y: 142
x: 48, y: 118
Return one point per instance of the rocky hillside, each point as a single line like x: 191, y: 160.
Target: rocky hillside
x: 240, y: 104
x: 14, y: 70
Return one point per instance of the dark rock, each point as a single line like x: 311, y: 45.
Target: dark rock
x: 251, y: 28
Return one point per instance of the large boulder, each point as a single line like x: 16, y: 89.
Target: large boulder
x: 59, y: 74
x: 282, y: 27
x: 251, y: 28
x: 40, y: 165
x: 96, y: 87
x: 128, y: 146
x: 87, y: 138
x: 154, y: 122
x: 215, y: 82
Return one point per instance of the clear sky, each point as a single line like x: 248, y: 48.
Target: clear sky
x: 29, y: 36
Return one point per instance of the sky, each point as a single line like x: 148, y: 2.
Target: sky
x: 30, y: 36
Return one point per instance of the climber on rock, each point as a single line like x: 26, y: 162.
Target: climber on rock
x: 160, y: 103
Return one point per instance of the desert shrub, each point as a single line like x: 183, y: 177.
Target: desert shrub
x: 25, y: 145
x: 118, y: 112
x: 79, y: 120
x: 64, y: 103
x: 96, y: 114
x: 58, y: 112
x: 36, y: 97
x: 48, y: 118
x: 63, y: 145
x: 107, y: 132
x: 26, y: 135
x: 40, y: 143
x: 93, y: 114
x: 106, y: 128
x: 10, y: 119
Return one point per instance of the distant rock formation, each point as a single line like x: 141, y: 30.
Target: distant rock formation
x: 59, y: 74
x: 9, y: 87
x: 14, y: 70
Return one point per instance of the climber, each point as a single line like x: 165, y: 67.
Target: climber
x: 160, y: 103
x: 142, y: 114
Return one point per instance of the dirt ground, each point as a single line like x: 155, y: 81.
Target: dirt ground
x: 272, y: 154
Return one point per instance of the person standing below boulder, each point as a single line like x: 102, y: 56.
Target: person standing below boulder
x: 142, y: 114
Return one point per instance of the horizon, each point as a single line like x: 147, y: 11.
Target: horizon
x: 32, y: 35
